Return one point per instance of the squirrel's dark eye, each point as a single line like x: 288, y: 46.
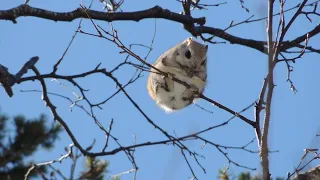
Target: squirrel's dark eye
x: 188, y: 54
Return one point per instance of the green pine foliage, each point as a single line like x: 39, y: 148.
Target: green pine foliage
x: 242, y: 176
x: 223, y: 174
x: 94, y: 169
x: 247, y: 176
x: 22, y: 142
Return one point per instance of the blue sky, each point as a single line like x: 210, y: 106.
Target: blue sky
x: 235, y: 75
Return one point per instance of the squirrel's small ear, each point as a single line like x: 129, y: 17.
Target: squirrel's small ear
x: 189, y: 40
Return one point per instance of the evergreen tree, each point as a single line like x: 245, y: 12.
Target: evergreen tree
x: 94, y: 169
x: 15, y: 147
x: 223, y: 175
x: 28, y: 135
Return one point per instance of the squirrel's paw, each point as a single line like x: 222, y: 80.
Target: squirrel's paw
x: 195, y: 90
x: 170, y: 75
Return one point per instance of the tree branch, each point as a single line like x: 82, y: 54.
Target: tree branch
x: 258, y: 45
x: 154, y: 12
x: 300, y: 39
x: 264, y: 151
x: 252, y: 123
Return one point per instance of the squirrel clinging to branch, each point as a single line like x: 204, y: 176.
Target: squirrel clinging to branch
x: 185, y: 61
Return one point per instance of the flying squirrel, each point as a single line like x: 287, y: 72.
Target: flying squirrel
x: 185, y: 61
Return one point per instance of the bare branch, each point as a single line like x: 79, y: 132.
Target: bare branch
x: 69, y: 152
x: 258, y: 45
x: 55, y: 67
x: 252, y: 123
x: 155, y: 12
x: 264, y: 151
x: 243, y: 6
x: 7, y: 80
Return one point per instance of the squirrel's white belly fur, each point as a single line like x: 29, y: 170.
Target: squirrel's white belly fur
x: 180, y: 96
x: 172, y: 100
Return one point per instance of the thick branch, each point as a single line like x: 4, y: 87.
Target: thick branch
x: 264, y: 151
x: 300, y: 39
x: 285, y: 30
x: 155, y: 12
x: 258, y: 45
